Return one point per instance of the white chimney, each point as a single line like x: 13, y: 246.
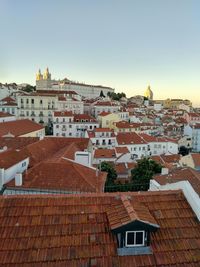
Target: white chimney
x: 164, y: 171
x: 18, y: 179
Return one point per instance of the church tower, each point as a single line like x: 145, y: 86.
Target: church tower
x: 43, y: 82
x: 149, y: 93
x: 47, y: 75
x: 39, y: 76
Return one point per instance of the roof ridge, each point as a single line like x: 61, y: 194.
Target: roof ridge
x: 75, y: 166
x: 129, y: 208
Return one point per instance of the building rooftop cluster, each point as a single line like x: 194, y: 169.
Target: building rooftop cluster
x: 57, y: 207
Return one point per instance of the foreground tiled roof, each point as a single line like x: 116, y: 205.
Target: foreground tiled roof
x: 19, y: 127
x: 124, y: 212
x: 62, y: 175
x: 74, y: 231
x: 181, y: 174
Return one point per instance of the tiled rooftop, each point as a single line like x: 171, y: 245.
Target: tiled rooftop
x: 129, y: 138
x: 17, y: 142
x: 5, y: 114
x: 104, y: 153
x: 74, y: 231
x: 181, y: 174
x: 11, y: 157
x: 63, y: 175
x: 19, y: 127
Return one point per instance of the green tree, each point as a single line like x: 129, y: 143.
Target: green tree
x: 29, y: 88
x: 144, y: 172
x: 111, y: 173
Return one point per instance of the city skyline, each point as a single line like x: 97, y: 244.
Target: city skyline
x: 125, y: 45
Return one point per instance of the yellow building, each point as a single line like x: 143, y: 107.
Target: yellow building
x: 175, y: 103
x: 107, y: 119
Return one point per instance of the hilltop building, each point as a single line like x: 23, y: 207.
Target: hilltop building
x: 44, y: 82
x: 149, y: 93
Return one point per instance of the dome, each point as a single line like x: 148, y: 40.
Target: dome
x: 149, y: 93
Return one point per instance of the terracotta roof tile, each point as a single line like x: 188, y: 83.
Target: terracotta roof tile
x: 129, y: 138
x: 196, y: 159
x: 181, y: 174
x: 73, y: 230
x: 62, y: 175
x: 121, y: 150
x: 104, y: 153
x: 5, y: 114
x: 63, y: 113
x: 19, y: 127
x: 10, y: 158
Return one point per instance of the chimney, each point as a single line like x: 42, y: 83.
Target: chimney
x: 18, y: 179
x: 164, y: 171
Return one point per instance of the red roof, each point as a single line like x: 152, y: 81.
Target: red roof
x: 124, y: 212
x: 63, y: 113
x: 55, y: 148
x: 97, y: 130
x: 86, y: 117
x: 181, y: 174
x: 17, y: 142
x: 73, y: 230
x: 5, y: 114
x: 62, y: 175
x: 8, y: 99
x: 11, y: 157
x: 19, y: 127
x: 104, y: 153
x: 129, y: 138
x: 196, y: 159
x: 103, y: 113
x: 150, y: 138
x: 105, y: 103
x: 126, y: 125
x: 121, y: 150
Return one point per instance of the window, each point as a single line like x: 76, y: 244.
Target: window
x: 23, y: 164
x: 32, y: 101
x: 134, y: 238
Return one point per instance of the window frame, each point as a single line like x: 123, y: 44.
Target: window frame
x: 135, y: 233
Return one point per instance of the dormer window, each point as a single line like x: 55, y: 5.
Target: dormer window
x: 135, y: 238
x: 132, y: 224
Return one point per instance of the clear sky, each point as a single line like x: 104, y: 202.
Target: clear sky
x: 125, y: 44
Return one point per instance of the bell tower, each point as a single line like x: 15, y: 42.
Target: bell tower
x: 43, y: 82
x: 39, y: 76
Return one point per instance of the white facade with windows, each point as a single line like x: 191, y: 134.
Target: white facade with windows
x: 69, y: 125
x: 40, y: 107
x: 193, y: 131
x: 101, y: 138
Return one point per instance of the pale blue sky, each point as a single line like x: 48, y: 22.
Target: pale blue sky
x: 125, y: 44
